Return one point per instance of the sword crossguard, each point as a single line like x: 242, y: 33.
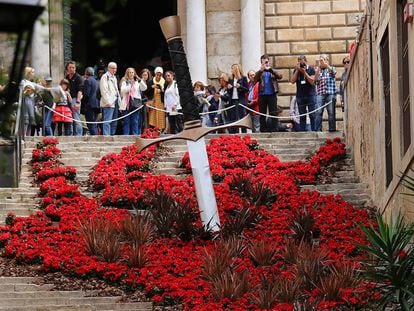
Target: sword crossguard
x: 193, y: 130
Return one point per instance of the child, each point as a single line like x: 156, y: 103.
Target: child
x: 62, y: 116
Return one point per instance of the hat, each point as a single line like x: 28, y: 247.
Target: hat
x: 48, y: 79
x: 159, y: 69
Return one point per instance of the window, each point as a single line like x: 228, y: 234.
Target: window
x: 405, y: 78
x: 385, y: 69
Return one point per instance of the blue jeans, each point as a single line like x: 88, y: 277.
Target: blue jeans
x: 48, y: 115
x: 308, y: 102
x: 109, y: 113
x: 91, y: 115
x: 77, y: 126
x: 320, y: 101
x: 132, y: 124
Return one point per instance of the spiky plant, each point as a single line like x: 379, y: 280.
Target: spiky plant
x: 302, y: 224
x: 261, y: 194
x: 391, y: 261
x: 339, y: 277
x: 185, y: 218
x: 243, y: 184
x: 137, y: 256
x: 102, y: 239
x: 137, y: 229
x: 266, y: 293
x: 238, y: 221
x: 263, y: 253
x: 231, y: 285
x: 160, y: 205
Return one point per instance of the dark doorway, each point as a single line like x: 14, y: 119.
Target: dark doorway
x: 117, y: 33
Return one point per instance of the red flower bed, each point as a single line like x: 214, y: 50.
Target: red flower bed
x: 174, y: 270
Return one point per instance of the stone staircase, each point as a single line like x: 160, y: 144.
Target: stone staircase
x: 23, y: 294
x: 84, y: 152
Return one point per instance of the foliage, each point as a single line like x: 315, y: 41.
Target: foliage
x: 391, y: 264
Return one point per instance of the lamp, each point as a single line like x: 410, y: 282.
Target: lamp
x: 17, y: 17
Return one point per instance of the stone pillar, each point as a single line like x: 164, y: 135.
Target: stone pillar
x: 196, y: 40
x: 57, y: 65
x: 250, y: 34
x: 40, y: 59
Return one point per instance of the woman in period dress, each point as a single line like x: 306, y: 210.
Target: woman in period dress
x: 156, y: 117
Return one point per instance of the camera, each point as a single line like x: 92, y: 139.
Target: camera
x: 302, y: 65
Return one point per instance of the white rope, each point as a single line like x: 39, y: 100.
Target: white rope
x: 285, y: 117
x: 201, y: 113
x: 94, y: 122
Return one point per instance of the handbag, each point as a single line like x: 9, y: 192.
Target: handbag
x: 135, y: 103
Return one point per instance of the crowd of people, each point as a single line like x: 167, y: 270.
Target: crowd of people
x: 100, y: 102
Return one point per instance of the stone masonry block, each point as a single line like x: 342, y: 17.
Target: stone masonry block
x: 223, y: 22
x: 345, y: 5
x: 270, y: 35
x: 336, y: 59
x: 283, y: 101
x: 270, y: 9
x: 344, y: 32
x: 220, y: 6
x: 288, y: 34
x: 336, y: 46
x: 304, y: 47
x: 217, y: 46
x: 318, y: 33
x: 317, y: 7
x: 287, y: 88
x: 218, y: 64
x: 287, y: 61
x: 289, y: 8
x: 304, y: 20
x: 332, y: 19
x: 284, y: 73
x: 277, y: 22
x: 352, y: 18
x: 278, y: 48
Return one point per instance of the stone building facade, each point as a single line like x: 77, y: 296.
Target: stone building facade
x: 380, y: 108
x: 283, y: 29
x: 217, y: 34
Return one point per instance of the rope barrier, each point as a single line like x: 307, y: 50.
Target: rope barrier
x: 202, y: 113
x: 286, y: 117
x: 94, y: 122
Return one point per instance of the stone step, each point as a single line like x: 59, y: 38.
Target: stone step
x: 16, y: 205
x: 17, y: 280
x: 24, y: 287
x: 136, y: 306
x: 70, y: 301
x: 52, y: 294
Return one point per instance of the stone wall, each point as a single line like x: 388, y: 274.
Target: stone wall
x: 365, y: 131
x: 294, y: 28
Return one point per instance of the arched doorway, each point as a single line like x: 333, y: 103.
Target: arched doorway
x: 117, y: 33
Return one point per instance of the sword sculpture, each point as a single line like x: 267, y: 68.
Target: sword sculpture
x: 193, y: 130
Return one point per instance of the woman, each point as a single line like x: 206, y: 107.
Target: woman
x: 62, y: 116
x: 237, y: 90
x: 172, y: 104
x: 147, y: 95
x: 156, y: 114
x: 131, y: 102
x: 224, y: 96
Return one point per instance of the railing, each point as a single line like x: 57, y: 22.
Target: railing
x: 18, y: 140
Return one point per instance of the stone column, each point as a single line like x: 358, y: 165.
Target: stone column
x: 250, y: 34
x: 56, y: 40
x: 40, y: 59
x: 196, y: 40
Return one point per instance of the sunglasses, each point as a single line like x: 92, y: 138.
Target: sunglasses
x: 347, y: 62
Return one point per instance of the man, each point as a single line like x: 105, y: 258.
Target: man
x: 345, y: 62
x: 303, y: 76
x: 326, y: 92
x: 110, y: 97
x: 48, y: 102
x: 75, y: 89
x: 268, y: 89
x: 90, y: 104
